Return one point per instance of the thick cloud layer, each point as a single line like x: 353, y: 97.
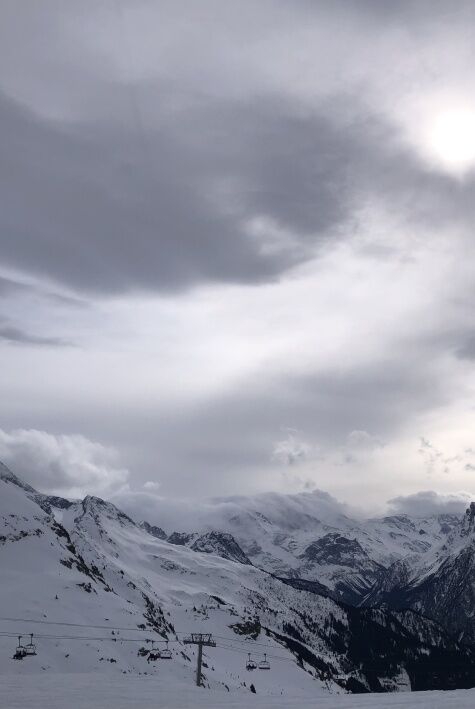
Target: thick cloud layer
x: 165, y: 181
x: 71, y: 465
x: 236, y: 246
x: 428, y: 502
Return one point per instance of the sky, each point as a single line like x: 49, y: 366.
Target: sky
x: 236, y: 248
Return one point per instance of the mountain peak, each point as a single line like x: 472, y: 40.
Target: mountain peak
x: 468, y: 521
x: 96, y: 507
x: 222, y: 544
x: 152, y: 529
x: 7, y: 476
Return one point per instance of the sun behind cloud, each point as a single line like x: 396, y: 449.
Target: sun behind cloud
x: 452, y: 139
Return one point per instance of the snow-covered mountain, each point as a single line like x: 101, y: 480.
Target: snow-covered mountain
x: 394, y: 562
x: 310, y: 536
x: 101, y: 592
x: 440, y: 584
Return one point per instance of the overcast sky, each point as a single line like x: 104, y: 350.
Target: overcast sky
x: 237, y: 248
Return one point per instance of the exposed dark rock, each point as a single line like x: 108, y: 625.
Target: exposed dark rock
x: 221, y: 544
x: 155, y: 531
x: 181, y: 538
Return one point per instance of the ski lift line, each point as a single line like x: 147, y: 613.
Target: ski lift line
x: 246, y: 642
x: 116, y: 627
x: 148, y: 640
x: 77, y: 625
x: 129, y: 628
x: 91, y: 627
x: 90, y: 638
x: 271, y: 657
x: 245, y: 652
x: 133, y: 640
x: 11, y: 634
x: 241, y: 652
x: 114, y: 639
x: 120, y: 640
x: 21, y: 649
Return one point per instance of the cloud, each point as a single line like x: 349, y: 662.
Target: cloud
x: 362, y: 440
x: 12, y: 287
x: 14, y: 335
x: 429, y: 502
x: 168, y: 186
x: 436, y: 461
x: 185, y: 514
x: 224, y: 442
x: 69, y: 465
x: 135, y: 223
x: 283, y: 187
x: 293, y: 449
x: 467, y: 349
x: 151, y: 486
x: 358, y: 447
x: 285, y: 510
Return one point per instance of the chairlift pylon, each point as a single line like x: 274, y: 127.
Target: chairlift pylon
x: 264, y: 664
x: 250, y: 664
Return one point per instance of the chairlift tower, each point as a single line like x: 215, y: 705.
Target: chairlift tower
x: 202, y: 640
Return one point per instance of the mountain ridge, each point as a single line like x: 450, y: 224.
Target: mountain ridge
x: 100, y: 568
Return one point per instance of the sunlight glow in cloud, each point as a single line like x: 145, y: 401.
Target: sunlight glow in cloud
x: 452, y: 139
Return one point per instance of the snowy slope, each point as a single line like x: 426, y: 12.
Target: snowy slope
x: 107, y: 574
x: 101, y: 588
x: 77, y: 691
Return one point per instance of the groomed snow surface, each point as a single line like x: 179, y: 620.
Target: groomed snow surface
x: 105, y: 692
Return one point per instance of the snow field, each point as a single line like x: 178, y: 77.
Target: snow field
x: 86, y: 691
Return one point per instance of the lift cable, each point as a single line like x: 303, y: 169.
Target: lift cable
x: 129, y: 628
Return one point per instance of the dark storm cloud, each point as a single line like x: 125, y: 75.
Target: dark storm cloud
x: 156, y: 185
x: 17, y: 336
x: 110, y: 210
x: 163, y: 207
x: 10, y: 287
x: 467, y: 350
x: 85, y: 211
x: 415, y: 16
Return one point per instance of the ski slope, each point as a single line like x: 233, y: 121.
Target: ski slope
x: 106, y: 692
x: 99, y: 593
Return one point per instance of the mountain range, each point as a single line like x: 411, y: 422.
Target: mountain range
x: 336, y: 604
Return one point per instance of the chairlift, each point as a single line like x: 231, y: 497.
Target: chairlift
x: 20, y: 651
x: 250, y: 664
x: 264, y: 665
x: 166, y: 654
x: 30, y: 648
x: 154, y: 653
